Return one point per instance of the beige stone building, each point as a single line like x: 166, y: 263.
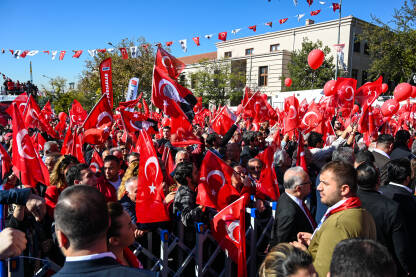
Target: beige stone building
x: 265, y: 57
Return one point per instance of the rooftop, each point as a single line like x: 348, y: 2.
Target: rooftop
x: 196, y: 58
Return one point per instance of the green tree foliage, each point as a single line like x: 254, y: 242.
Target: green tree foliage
x: 303, y: 77
x: 392, y: 45
x: 217, y: 84
x: 123, y: 70
x: 61, y: 98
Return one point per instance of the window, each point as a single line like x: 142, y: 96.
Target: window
x: 357, y: 45
x: 366, y: 49
x: 227, y: 54
x: 274, y: 47
x: 354, y: 74
x: 364, y: 77
x: 263, y: 73
x: 249, y: 51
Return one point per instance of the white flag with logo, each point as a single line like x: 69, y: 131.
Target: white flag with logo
x: 110, y: 50
x: 183, y: 44
x: 33, y: 52
x: 132, y: 90
x: 133, y: 51
x: 17, y: 53
x: 92, y: 52
x: 235, y: 31
x: 54, y: 52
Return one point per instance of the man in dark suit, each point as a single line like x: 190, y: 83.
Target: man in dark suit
x: 381, y: 153
x: 401, y: 149
x: 81, y: 224
x: 398, y: 189
x: 390, y: 226
x: 292, y: 215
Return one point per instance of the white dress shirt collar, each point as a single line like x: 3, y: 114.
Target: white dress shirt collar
x: 381, y: 152
x: 90, y: 257
x: 401, y: 186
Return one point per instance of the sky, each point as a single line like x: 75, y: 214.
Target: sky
x: 89, y: 24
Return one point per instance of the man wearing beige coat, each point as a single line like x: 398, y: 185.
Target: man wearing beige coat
x: 344, y: 218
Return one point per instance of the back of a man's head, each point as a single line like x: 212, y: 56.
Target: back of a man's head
x: 402, y: 137
x: 367, y: 176
x: 363, y: 156
x: 81, y: 215
x: 384, y: 141
x: 398, y: 170
x: 344, y: 154
x: 361, y: 258
x: 314, y: 138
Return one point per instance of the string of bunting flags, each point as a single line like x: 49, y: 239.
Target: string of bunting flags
x: 124, y: 51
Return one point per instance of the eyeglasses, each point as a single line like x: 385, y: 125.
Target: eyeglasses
x: 241, y: 173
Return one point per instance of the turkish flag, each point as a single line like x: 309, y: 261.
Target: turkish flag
x: 315, y: 12
x: 300, y: 158
x: 222, y: 36
x: 62, y: 55
x: 309, y: 2
x: 130, y: 104
x: 30, y: 166
x: 167, y: 159
x: 106, y: 76
x: 61, y: 126
x: 223, y: 121
x: 23, y: 55
x: 196, y: 40
x: 368, y: 93
x: 47, y: 112
x: 291, y: 120
x: 76, y: 150
x: 181, y: 128
x: 345, y: 91
x: 145, y: 108
x: 311, y: 118
x: 168, y: 63
x: 150, y: 195
x: 20, y: 101
x: 169, y: 43
x: 228, y: 229
x: 214, y: 174
x: 169, y: 96
x: 281, y: 21
x: 77, y: 53
x: 124, y: 53
x: 254, y: 28
x: 100, y: 116
x: 67, y: 144
x: 38, y: 141
x: 133, y: 122
x: 335, y: 6
x: 267, y: 184
x: 97, y: 136
x: 6, y: 161
x: 77, y: 114
x: 33, y: 118
x: 96, y: 162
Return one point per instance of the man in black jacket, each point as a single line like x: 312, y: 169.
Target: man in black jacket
x: 292, y: 215
x: 401, y: 149
x: 391, y: 231
x: 82, y: 221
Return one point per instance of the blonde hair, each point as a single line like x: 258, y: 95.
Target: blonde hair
x: 131, y: 171
x: 57, y: 176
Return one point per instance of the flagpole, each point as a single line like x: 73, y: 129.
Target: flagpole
x: 339, y: 34
x: 31, y: 76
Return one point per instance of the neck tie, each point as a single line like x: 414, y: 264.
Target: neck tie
x: 312, y: 220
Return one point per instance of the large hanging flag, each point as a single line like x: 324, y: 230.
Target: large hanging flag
x: 132, y: 89
x: 106, y: 80
x: 150, y: 195
x: 228, y: 229
x: 29, y: 165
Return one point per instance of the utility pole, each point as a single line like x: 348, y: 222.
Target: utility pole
x: 339, y: 34
x: 31, y: 76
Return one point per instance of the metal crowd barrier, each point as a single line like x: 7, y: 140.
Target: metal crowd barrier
x: 175, y: 257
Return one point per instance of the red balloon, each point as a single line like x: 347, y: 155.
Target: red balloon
x: 413, y: 92
x: 288, y: 82
x: 384, y: 87
x: 62, y: 116
x: 316, y: 58
x: 390, y: 107
x: 329, y: 88
x: 402, y: 92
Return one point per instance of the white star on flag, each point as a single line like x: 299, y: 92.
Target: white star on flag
x: 213, y: 192
x: 165, y: 103
x: 152, y: 188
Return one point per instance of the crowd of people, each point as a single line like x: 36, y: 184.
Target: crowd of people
x: 348, y: 212
x: 11, y: 87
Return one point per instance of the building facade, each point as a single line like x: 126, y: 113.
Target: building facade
x: 265, y: 57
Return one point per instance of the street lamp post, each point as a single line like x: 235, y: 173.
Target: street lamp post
x: 339, y: 34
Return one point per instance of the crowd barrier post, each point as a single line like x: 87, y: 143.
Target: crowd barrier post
x: 164, y: 245
x: 200, y: 238
x: 253, y: 242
